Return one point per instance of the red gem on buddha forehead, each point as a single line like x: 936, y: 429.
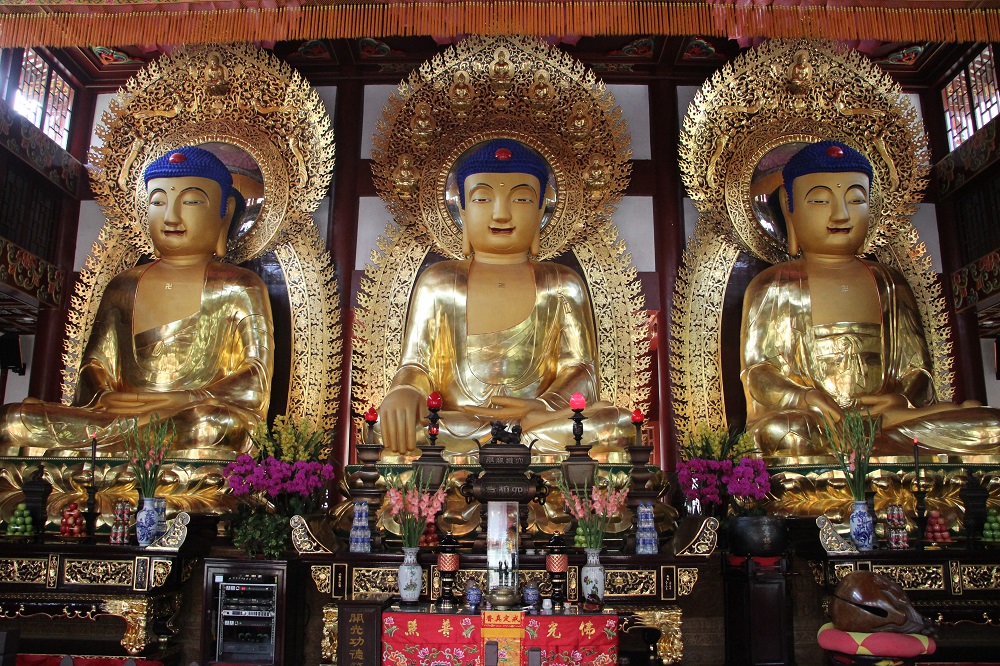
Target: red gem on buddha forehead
x: 177, y: 158
x: 835, y: 151
x: 502, y: 154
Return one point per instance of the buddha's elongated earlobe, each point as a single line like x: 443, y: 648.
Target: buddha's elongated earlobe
x: 466, y: 243
x: 220, y: 244
x: 793, y: 242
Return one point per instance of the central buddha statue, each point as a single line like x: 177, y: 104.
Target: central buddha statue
x: 185, y: 336
x: 828, y: 330
x: 501, y: 336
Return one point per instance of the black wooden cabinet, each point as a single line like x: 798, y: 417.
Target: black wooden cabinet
x: 758, y: 611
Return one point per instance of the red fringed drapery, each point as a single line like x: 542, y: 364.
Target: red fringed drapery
x: 119, y: 22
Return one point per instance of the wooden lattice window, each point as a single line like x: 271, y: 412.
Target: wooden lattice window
x: 44, y: 97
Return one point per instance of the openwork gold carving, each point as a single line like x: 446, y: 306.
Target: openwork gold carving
x: 670, y: 647
x: 99, y: 572
x: 242, y: 96
x: 161, y: 572
x: 370, y: 583
x: 322, y: 576
x: 174, y: 537
x: 818, y: 572
x: 842, y: 569
x: 303, y: 539
x: 52, y: 575
x: 619, y: 583
x: 23, y: 570
x: 831, y: 540
x: 686, y: 579
x: 779, y: 93
x: 955, y: 572
x: 136, y: 612
x: 548, y: 100
x: 981, y: 576
x: 914, y: 576
x: 826, y: 493
x: 328, y: 645
x: 704, y: 540
x: 189, y: 486
x: 15, y: 609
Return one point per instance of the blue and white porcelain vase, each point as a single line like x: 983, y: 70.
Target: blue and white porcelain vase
x: 411, y: 576
x: 160, y: 504
x: 145, y: 522
x: 862, y: 526
x: 592, y: 575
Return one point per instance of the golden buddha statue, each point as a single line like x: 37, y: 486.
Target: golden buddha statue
x: 829, y: 330
x: 498, y: 334
x: 186, y: 336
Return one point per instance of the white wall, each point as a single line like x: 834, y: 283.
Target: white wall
x: 989, y: 373
x: 17, y: 385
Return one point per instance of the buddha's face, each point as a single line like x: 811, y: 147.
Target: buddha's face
x: 501, y: 214
x: 831, y: 213
x: 184, y: 217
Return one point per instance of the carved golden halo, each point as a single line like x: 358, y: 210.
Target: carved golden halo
x: 573, y: 121
x: 779, y: 93
x: 245, y: 97
x: 521, y: 88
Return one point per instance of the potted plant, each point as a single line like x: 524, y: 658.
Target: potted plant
x: 414, y: 507
x: 285, y: 479
x: 852, y: 440
x: 145, y: 447
x: 593, y: 512
x: 719, y: 472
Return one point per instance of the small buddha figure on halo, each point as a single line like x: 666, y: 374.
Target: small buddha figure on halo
x: 404, y: 177
x: 541, y: 93
x: 829, y: 330
x: 501, y: 73
x: 498, y: 334
x: 186, y: 336
x: 422, y: 124
x: 460, y: 93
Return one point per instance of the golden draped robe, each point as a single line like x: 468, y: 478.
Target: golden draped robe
x: 785, y: 355
x: 222, y: 355
x: 550, y: 355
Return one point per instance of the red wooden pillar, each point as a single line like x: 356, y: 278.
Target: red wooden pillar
x: 343, y: 238
x: 668, y: 235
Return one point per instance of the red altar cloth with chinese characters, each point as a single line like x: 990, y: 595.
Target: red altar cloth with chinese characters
x: 425, y: 639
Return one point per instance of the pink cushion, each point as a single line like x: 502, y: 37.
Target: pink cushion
x: 879, y: 644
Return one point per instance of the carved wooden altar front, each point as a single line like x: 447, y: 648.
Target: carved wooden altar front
x: 69, y: 579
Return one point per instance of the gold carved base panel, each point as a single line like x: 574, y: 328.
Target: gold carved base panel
x: 824, y: 491
x: 195, y: 486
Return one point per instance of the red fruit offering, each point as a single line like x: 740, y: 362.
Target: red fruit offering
x: 934, y: 513
x: 72, y: 506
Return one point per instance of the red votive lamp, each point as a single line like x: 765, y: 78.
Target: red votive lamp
x: 638, y: 416
x: 371, y: 416
x: 434, y: 401
x: 577, y: 402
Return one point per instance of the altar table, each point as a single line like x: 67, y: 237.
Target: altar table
x: 422, y: 638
